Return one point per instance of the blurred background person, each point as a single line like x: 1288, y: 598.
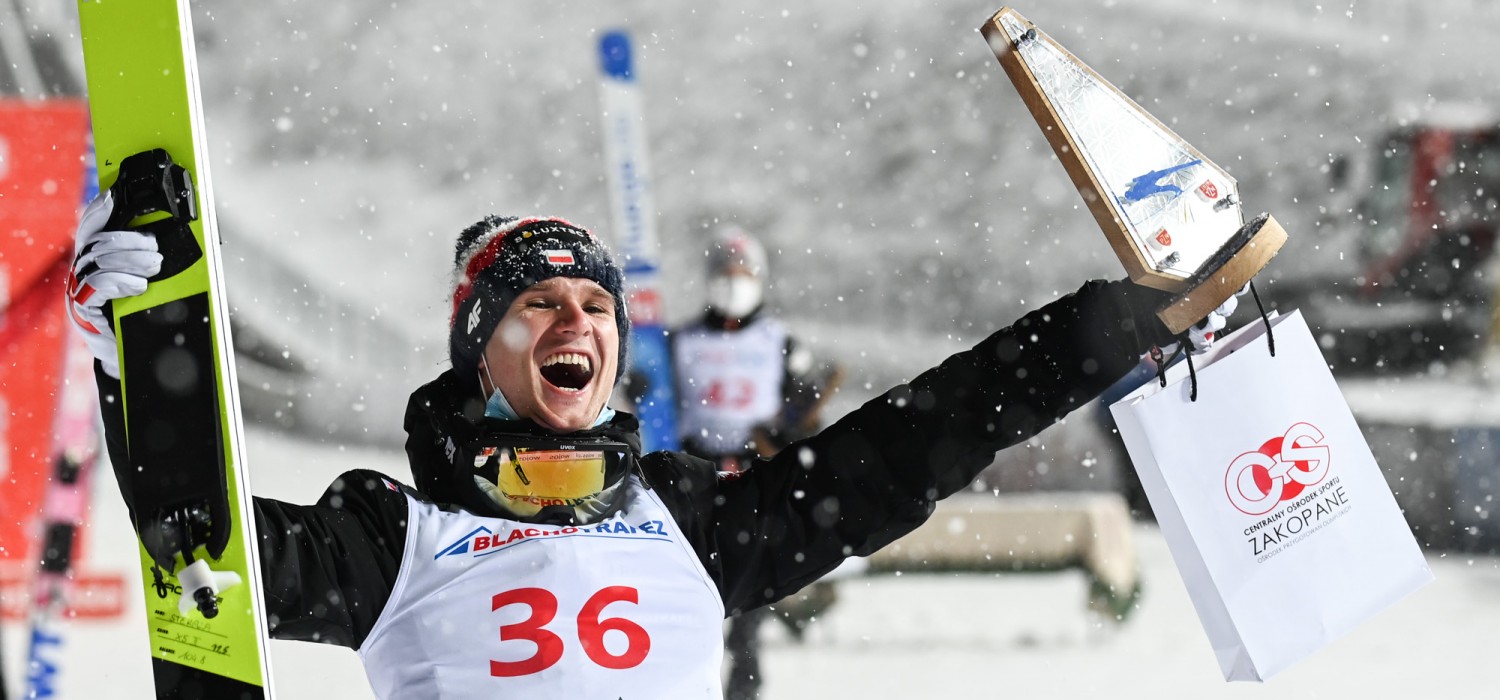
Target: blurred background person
x: 747, y: 389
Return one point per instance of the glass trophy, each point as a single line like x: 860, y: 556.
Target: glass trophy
x: 1172, y: 216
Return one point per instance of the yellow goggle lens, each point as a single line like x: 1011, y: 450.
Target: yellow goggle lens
x: 543, y: 476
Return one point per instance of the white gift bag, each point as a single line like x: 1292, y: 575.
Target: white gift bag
x: 1280, y: 522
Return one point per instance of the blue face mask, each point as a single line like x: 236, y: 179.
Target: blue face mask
x: 497, y: 407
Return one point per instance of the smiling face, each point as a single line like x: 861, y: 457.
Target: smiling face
x: 555, y: 352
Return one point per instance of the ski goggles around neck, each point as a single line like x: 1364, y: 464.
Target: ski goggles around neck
x: 530, y: 477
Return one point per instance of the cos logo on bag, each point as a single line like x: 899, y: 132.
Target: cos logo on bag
x: 1259, y: 481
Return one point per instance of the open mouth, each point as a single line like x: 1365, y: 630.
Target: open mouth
x: 568, y: 370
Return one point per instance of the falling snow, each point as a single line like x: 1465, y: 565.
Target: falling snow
x: 908, y: 198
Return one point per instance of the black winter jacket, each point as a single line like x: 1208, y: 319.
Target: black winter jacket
x: 854, y: 487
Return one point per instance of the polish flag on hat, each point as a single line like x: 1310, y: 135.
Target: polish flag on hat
x: 559, y: 257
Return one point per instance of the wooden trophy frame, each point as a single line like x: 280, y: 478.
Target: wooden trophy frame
x: 1171, y: 215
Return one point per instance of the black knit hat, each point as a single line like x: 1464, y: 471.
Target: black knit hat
x: 499, y: 257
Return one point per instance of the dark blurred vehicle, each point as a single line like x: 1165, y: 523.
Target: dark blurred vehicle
x: 1416, y: 234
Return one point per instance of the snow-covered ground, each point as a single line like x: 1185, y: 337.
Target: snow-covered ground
x: 914, y: 635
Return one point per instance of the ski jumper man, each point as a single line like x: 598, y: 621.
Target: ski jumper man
x: 539, y: 553
x: 746, y: 389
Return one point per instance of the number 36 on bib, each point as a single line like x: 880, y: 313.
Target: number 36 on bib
x: 592, y: 627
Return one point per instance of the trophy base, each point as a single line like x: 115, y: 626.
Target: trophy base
x: 1225, y: 273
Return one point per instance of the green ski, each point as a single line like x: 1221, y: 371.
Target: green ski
x: 185, y: 481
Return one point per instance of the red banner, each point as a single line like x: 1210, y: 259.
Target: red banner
x: 42, y: 149
x: 32, y: 331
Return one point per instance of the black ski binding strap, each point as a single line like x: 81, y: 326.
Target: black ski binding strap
x: 175, y: 477
x: 160, y: 584
x: 150, y: 182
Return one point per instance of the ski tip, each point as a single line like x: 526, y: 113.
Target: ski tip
x: 614, y: 54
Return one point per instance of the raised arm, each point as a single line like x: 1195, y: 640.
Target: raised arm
x: 876, y: 474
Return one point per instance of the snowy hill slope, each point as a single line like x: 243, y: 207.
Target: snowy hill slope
x: 878, y: 148
x: 881, y: 149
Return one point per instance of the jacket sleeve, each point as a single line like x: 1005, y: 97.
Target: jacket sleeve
x: 877, y: 473
x: 327, y: 569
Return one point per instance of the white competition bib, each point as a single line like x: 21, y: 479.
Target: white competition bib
x: 495, y: 608
x: 730, y: 382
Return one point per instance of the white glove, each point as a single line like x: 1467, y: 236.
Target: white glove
x: 107, y: 265
x: 1201, y: 334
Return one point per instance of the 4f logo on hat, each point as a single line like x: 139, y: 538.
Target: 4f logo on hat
x: 473, y: 317
x: 559, y: 257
